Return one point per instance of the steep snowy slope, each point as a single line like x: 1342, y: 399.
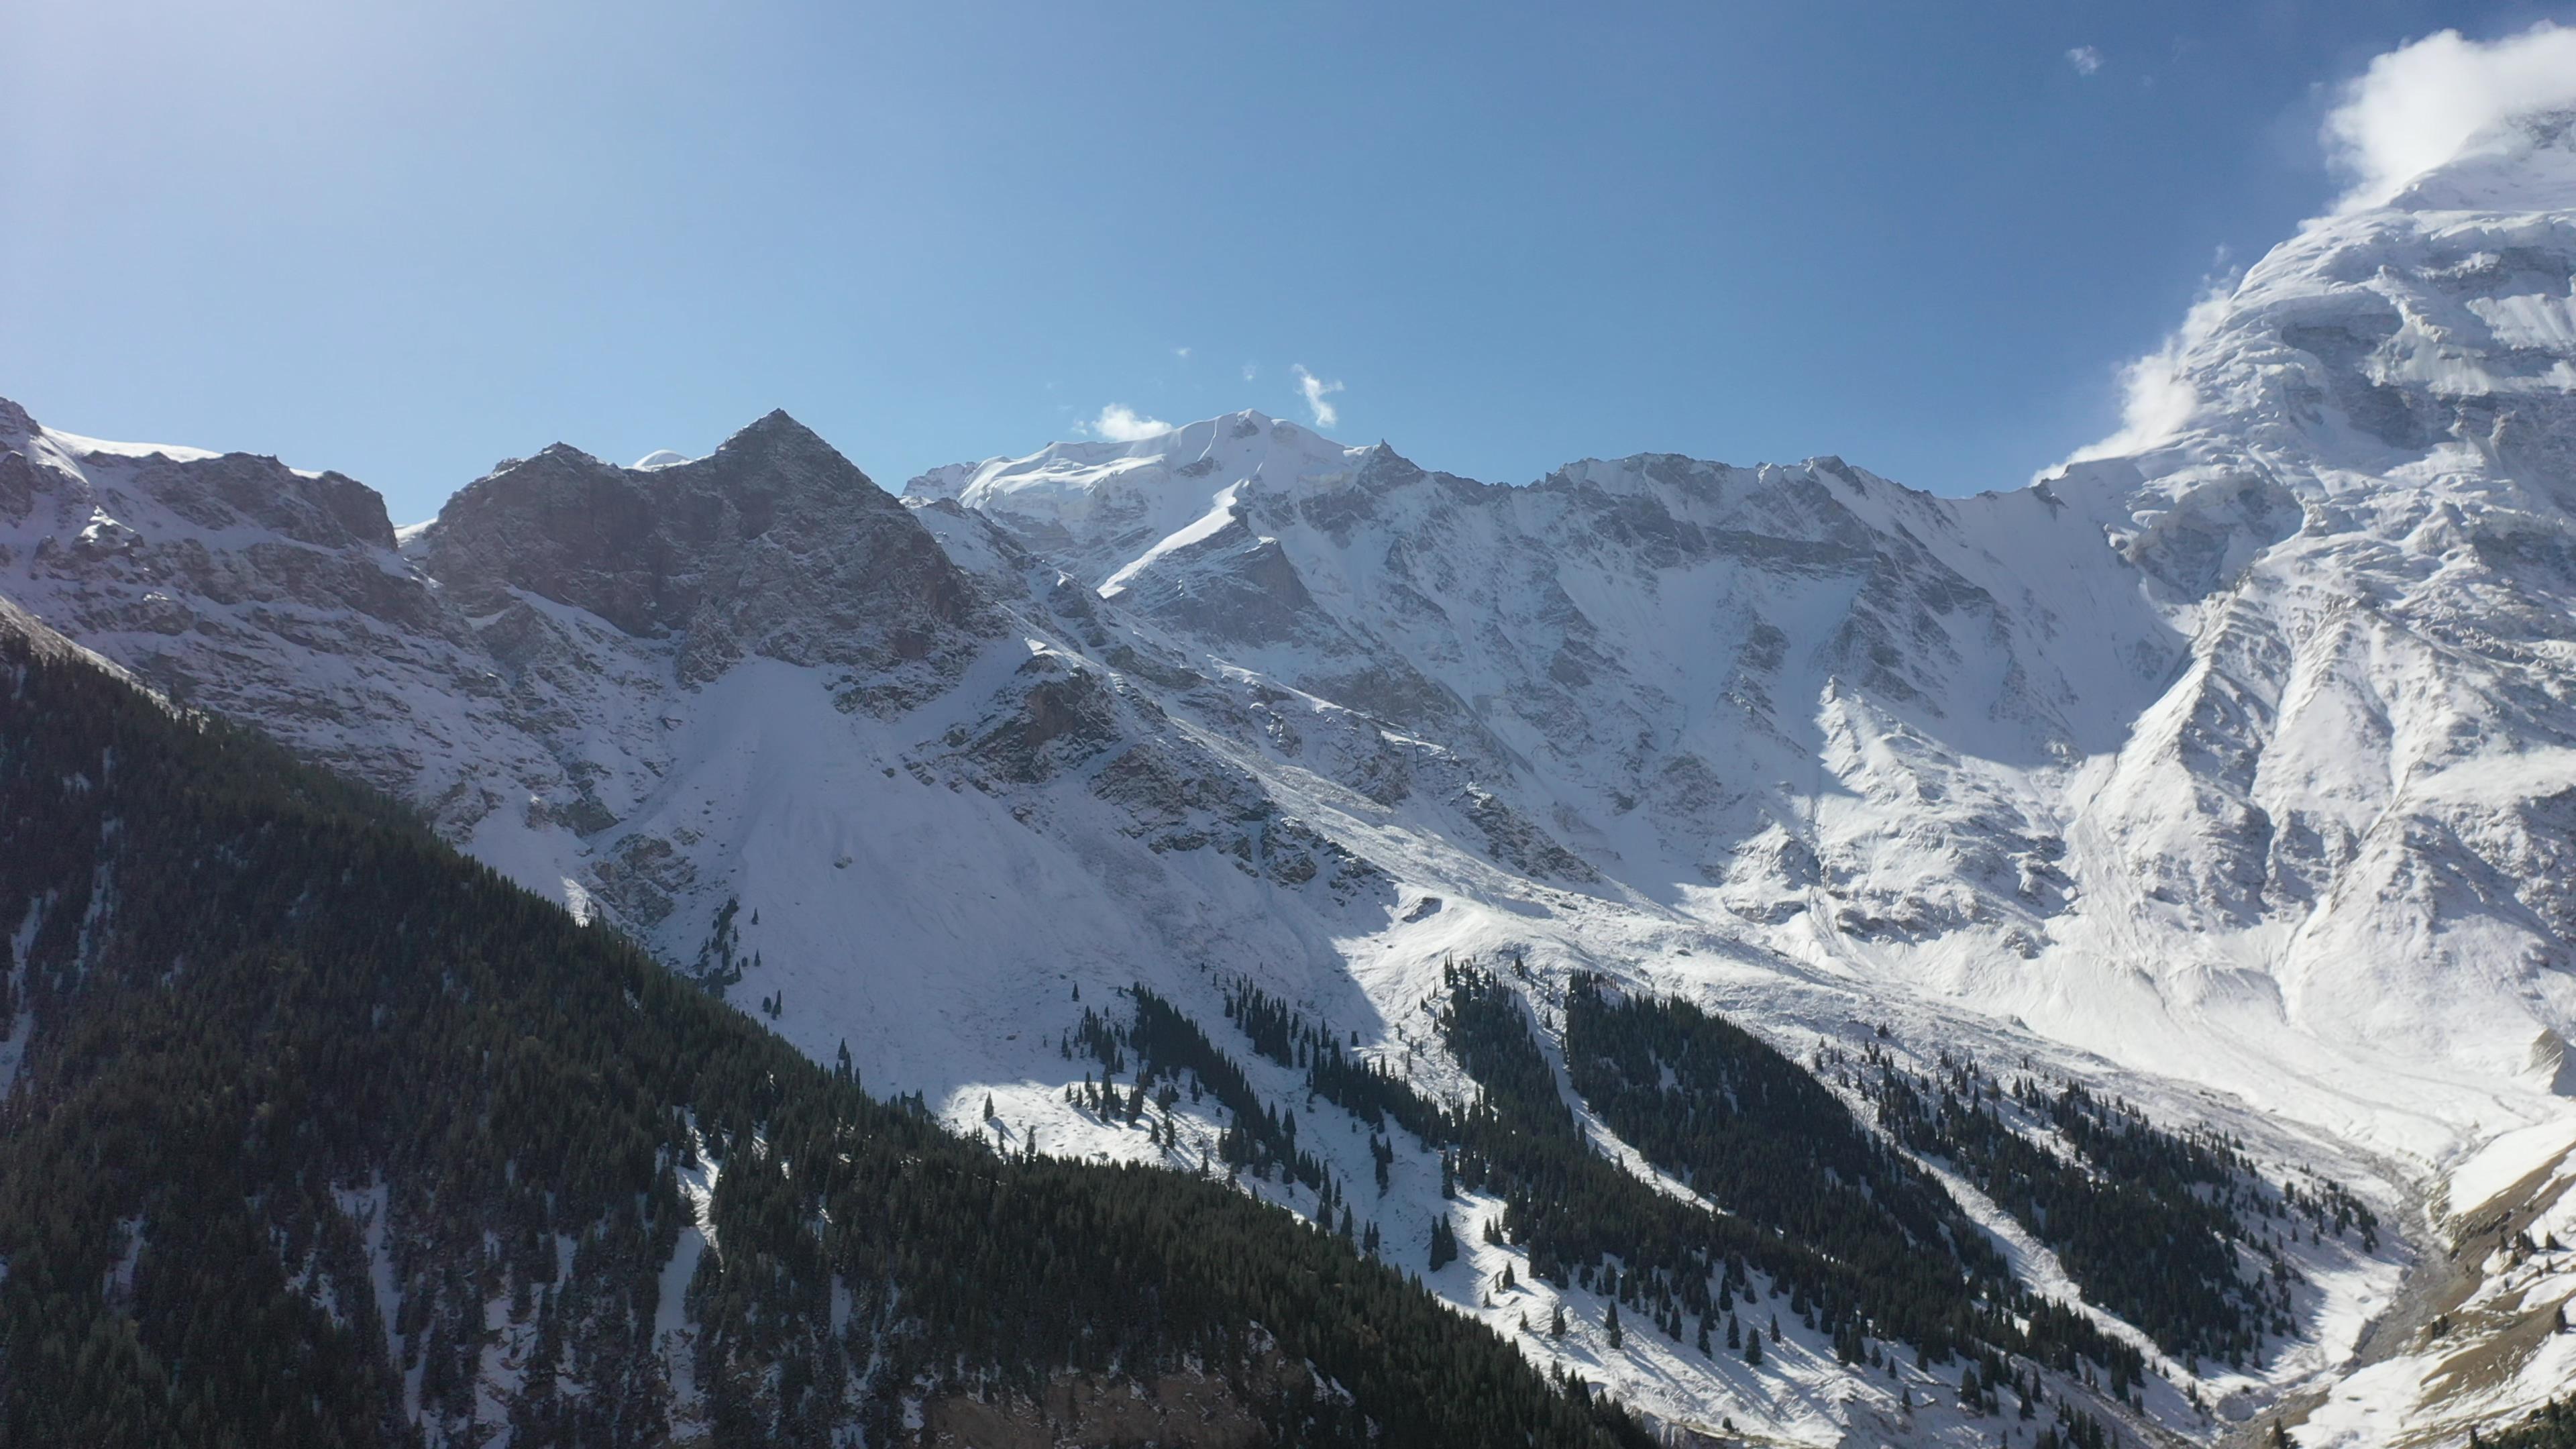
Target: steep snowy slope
x: 2351, y: 813
x: 2233, y: 774
x: 2266, y: 727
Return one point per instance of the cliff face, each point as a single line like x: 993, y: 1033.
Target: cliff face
x: 772, y: 546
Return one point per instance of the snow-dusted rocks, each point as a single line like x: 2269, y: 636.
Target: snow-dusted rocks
x: 238, y: 584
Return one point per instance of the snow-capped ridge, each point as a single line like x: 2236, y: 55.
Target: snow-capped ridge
x: 2519, y: 163
x: 1102, y: 504
x: 15, y: 425
x: 1240, y: 445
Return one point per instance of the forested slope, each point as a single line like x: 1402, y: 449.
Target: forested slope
x: 317, y: 1132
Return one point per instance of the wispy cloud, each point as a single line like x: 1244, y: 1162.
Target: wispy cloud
x: 2085, y: 58
x: 1317, y: 391
x: 1120, y: 423
x: 2418, y: 104
x: 1182, y: 353
x: 1251, y: 370
x: 2157, y: 399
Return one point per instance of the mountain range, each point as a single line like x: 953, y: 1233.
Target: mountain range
x: 2224, y: 777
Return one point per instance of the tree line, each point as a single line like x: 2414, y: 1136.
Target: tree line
x: 324, y: 1134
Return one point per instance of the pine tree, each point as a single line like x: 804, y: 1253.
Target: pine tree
x: 1444, y: 1244
x: 1753, y: 1350
x: 1610, y: 1325
x: 1556, y: 1323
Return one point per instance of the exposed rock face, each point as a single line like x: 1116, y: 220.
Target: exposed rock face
x: 236, y: 583
x: 773, y: 546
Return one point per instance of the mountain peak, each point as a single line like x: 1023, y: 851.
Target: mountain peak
x: 1097, y: 501
x: 776, y: 420
x: 773, y: 456
x: 774, y: 432
x: 2520, y: 163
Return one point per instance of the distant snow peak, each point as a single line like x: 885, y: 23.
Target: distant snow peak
x: 661, y: 458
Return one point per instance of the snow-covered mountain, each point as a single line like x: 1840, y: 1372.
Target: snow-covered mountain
x: 2232, y: 769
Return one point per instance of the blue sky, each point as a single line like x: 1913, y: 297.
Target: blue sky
x: 408, y: 240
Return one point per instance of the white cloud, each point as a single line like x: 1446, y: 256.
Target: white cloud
x: 2086, y: 59
x: 1182, y: 353
x: 1120, y: 423
x: 1251, y: 371
x: 2417, y: 104
x: 1316, y: 391
x: 2157, y: 399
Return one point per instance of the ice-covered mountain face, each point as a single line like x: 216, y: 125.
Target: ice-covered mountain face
x: 2243, y: 751
x: 2230, y: 771
x: 1655, y: 654
x: 2358, y: 798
